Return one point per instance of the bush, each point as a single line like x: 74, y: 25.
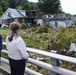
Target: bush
x: 75, y: 23
x: 23, y: 26
x: 43, y: 29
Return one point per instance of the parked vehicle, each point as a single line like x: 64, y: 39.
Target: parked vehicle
x: 3, y: 26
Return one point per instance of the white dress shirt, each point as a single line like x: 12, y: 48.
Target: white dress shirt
x: 16, y: 48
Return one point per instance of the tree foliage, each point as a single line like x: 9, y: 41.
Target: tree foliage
x: 4, y: 5
x: 42, y: 6
x: 1, y: 11
x: 49, y: 6
x: 30, y: 6
x: 15, y: 3
x: 19, y: 7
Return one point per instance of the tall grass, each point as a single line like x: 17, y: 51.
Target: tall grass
x: 3, y: 31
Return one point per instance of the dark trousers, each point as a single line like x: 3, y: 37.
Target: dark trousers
x: 0, y: 55
x: 17, y: 66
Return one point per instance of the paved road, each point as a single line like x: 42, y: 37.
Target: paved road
x: 1, y: 73
x: 6, y: 69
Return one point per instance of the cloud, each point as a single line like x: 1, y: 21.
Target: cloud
x: 33, y: 0
x: 69, y: 6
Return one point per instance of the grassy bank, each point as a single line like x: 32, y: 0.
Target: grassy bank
x: 3, y: 31
x: 43, y: 38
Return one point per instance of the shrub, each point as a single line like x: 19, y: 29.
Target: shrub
x: 23, y: 26
x: 43, y: 29
x: 75, y: 23
x: 33, y: 29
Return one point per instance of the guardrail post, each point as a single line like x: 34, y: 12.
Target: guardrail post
x: 0, y: 46
x: 53, y: 62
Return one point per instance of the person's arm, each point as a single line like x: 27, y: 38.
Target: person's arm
x: 22, y: 47
x: 0, y: 42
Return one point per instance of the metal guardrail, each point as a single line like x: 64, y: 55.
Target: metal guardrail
x: 51, y: 67
x: 28, y: 71
x: 52, y: 55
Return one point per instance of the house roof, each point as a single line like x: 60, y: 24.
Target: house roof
x: 59, y: 15
x: 58, y: 19
x: 14, y: 14
x: 55, y: 17
x: 5, y: 17
x: 22, y: 12
x: 75, y: 15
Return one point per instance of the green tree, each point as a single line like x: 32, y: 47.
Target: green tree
x: 23, y: 2
x: 4, y: 4
x: 26, y: 6
x: 30, y: 6
x: 49, y: 6
x: 19, y: 7
x: 1, y: 11
x: 15, y: 3
x: 12, y: 3
x: 68, y: 15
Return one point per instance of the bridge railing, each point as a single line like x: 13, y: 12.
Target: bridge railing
x: 52, y: 66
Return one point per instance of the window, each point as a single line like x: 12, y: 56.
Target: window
x: 9, y: 13
x: 30, y: 12
x: 56, y: 24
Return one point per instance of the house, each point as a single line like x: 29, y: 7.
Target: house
x: 42, y: 18
x: 57, y: 20
x: 60, y: 20
x: 72, y: 47
x: 74, y: 18
x: 21, y: 16
x: 39, y: 20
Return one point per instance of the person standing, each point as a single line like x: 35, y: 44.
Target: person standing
x: 0, y: 46
x: 16, y: 50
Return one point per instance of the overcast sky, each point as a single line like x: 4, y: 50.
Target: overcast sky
x: 68, y: 6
